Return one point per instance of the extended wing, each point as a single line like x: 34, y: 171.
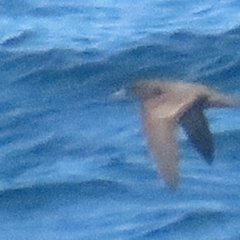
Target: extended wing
x: 160, y: 120
x: 196, y: 126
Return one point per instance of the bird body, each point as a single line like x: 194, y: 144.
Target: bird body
x: 167, y: 104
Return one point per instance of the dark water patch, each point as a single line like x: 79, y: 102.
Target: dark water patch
x: 189, y: 224
x: 17, y: 65
x: 226, y: 78
x: 56, y: 195
x: 235, y: 237
x: 66, y: 72
x: 107, y: 149
x: 148, y: 57
x: 110, y: 74
x: 34, y: 60
x: 67, y: 81
x: 134, y: 173
x: 55, y: 11
x: 216, y: 64
x: 6, y: 107
x: 30, y: 155
x: 228, y: 143
x: 14, y: 7
x: 153, y: 53
x: 234, y: 31
x: 212, y: 59
x: 188, y: 41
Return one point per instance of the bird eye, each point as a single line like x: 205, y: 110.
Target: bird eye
x: 157, y: 92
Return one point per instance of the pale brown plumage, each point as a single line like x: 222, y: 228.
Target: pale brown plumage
x: 164, y: 105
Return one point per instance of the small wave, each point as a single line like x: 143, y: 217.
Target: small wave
x: 18, y: 39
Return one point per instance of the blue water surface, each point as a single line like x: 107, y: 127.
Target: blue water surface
x: 74, y: 162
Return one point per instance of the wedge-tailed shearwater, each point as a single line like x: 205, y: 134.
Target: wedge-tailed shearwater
x: 168, y: 103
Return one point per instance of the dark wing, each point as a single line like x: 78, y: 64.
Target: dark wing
x: 196, y: 126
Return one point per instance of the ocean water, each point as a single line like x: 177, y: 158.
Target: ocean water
x: 74, y: 162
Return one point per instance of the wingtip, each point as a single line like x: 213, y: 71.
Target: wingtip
x: 207, y: 155
x: 173, y: 186
x: 209, y: 159
x: 172, y: 182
